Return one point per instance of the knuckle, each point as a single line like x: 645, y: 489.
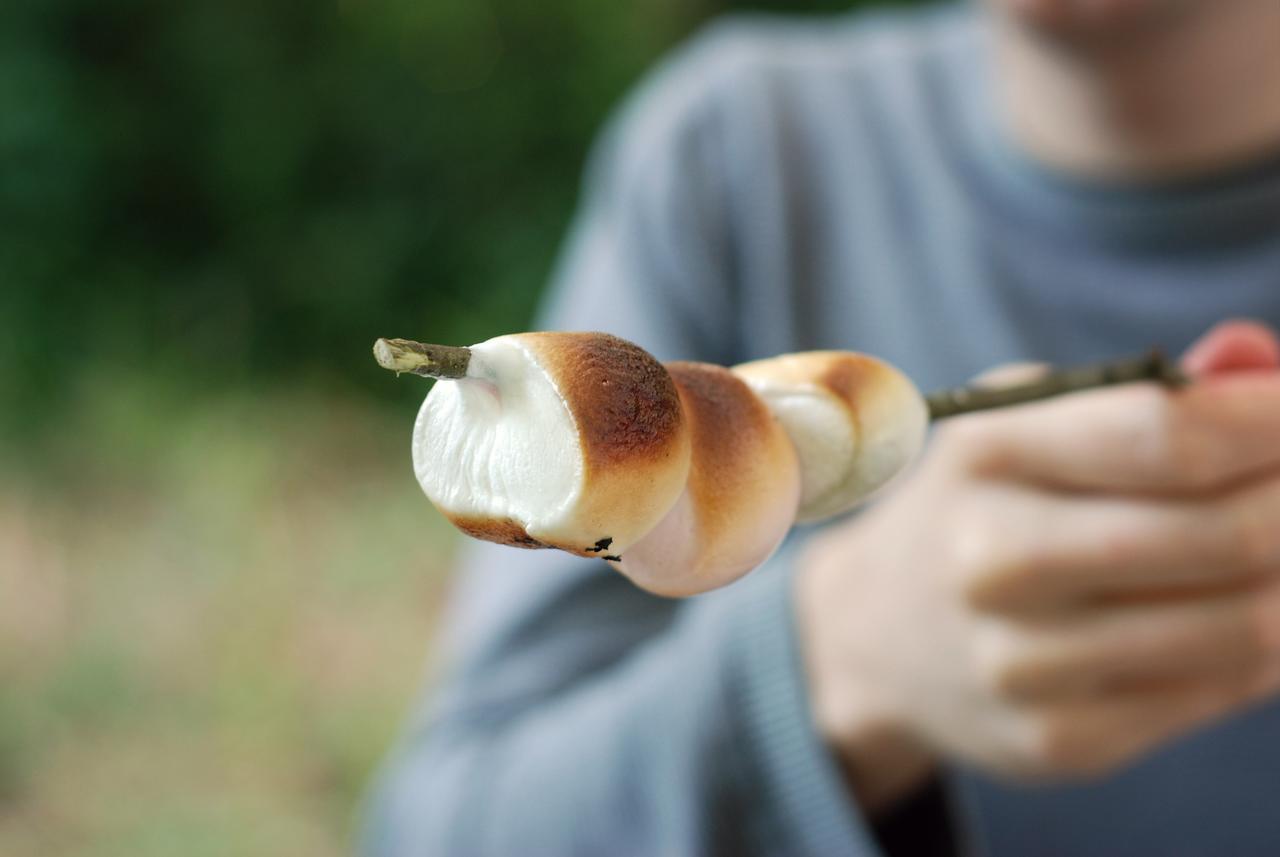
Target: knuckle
x: 986, y: 571
x: 1198, y: 456
x: 1262, y: 631
x: 1001, y: 670
x: 970, y: 444
x: 1268, y: 621
x: 1254, y: 683
x: 1058, y: 747
x: 1243, y: 647
x: 970, y: 549
x: 995, y: 584
x: 1122, y: 547
x: 1254, y: 542
x: 1050, y: 744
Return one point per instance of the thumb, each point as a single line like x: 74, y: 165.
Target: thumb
x: 1010, y: 375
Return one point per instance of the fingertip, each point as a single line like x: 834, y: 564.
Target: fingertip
x: 1011, y: 375
x: 1233, y: 346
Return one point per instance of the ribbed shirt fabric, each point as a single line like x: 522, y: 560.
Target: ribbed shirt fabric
x: 781, y: 185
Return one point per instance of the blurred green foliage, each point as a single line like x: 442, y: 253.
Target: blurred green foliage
x: 225, y: 192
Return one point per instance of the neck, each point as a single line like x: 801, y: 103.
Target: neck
x: 1193, y: 92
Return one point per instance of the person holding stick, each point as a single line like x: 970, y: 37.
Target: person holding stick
x: 1060, y: 633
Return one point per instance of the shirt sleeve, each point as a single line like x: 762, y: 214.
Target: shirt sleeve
x: 578, y: 714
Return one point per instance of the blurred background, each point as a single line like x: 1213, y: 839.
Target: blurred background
x: 218, y: 578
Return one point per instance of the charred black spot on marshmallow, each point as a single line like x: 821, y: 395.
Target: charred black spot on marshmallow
x: 601, y: 545
x: 612, y: 558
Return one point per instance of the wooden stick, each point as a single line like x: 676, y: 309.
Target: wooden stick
x: 420, y: 358
x: 1153, y: 366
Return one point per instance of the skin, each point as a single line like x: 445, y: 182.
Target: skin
x: 1140, y: 89
x: 1101, y: 575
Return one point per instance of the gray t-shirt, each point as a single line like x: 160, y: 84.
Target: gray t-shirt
x: 782, y: 185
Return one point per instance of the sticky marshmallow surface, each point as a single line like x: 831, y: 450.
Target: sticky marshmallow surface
x: 500, y: 443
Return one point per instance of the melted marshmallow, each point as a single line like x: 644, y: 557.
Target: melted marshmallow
x: 846, y: 455
x: 824, y: 438
x: 500, y: 443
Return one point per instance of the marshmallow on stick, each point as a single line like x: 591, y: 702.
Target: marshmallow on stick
x: 686, y: 476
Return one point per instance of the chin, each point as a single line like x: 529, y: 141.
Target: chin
x: 1095, y: 19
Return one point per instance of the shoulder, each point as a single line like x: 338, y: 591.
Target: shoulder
x: 772, y: 67
x: 852, y: 41
x: 739, y: 51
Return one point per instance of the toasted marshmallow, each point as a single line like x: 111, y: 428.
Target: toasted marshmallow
x: 574, y: 441
x: 741, y: 496
x: 686, y: 476
x: 855, y: 422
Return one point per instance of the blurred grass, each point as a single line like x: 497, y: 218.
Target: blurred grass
x: 214, y: 618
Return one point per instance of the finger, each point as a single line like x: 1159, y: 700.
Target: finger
x: 1110, y: 651
x: 1092, y: 738
x: 1233, y: 346
x: 1026, y: 548
x: 1137, y: 438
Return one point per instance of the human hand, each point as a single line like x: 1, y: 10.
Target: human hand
x: 1061, y: 587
